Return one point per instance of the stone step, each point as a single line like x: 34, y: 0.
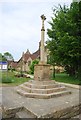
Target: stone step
x: 24, y: 114
x: 43, y: 96
x: 42, y: 82
x: 41, y: 86
x: 42, y: 91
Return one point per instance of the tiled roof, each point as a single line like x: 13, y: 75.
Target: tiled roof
x: 13, y: 64
x: 26, y: 56
x: 33, y: 56
x: 36, y: 54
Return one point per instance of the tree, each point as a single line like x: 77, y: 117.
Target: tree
x: 64, y: 41
x: 8, y: 56
x: 2, y: 58
x: 32, y: 65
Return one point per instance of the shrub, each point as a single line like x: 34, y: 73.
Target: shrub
x: 32, y: 66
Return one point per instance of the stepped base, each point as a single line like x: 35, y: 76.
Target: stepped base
x: 43, y: 96
x: 42, y: 89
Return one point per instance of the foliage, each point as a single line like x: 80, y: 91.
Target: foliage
x: 32, y: 66
x: 12, y: 69
x: 10, y: 78
x: 65, y: 38
x: 8, y: 56
x: 2, y: 58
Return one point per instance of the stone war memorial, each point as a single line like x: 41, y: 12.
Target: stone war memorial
x: 42, y: 97
x: 42, y: 86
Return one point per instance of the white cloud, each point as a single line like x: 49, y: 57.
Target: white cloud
x: 20, y: 24
x: 35, y: 1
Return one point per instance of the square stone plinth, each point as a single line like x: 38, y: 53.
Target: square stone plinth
x: 58, y: 108
x: 42, y: 72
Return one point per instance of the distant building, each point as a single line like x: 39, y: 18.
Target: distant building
x: 26, y: 60
x: 23, y: 64
x: 12, y: 64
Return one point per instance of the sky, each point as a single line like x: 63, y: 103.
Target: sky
x: 20, y: 24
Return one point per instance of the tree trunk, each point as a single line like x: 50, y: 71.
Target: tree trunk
x: 53, y: 71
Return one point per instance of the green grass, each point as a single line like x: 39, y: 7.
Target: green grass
x: 65, y: 78
x: 10, y: 79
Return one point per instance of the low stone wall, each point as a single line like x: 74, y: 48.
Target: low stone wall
x: 10, y: 113
x: 65, y: 113
x: 70, y: 85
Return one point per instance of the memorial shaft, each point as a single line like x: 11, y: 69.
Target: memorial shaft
x: 42, y: 59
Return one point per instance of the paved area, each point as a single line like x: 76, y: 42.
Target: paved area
x: 40, y: 107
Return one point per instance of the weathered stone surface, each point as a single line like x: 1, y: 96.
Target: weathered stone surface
x: 41, y: 85
x: 60, y: 107
x: 68, y: 112
x: 10, y: 112
x: 42, y: 89
x: 49, y: 82
x: 25, y: 114
x: 42, y: 72
x: 42, y: 95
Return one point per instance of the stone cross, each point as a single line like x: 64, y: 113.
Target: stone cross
x: 42, y: 59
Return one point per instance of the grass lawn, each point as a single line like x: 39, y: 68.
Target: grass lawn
x: 65, y: 78
x: 10, y: 79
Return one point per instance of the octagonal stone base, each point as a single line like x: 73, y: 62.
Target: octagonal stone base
x: 42, y: 89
